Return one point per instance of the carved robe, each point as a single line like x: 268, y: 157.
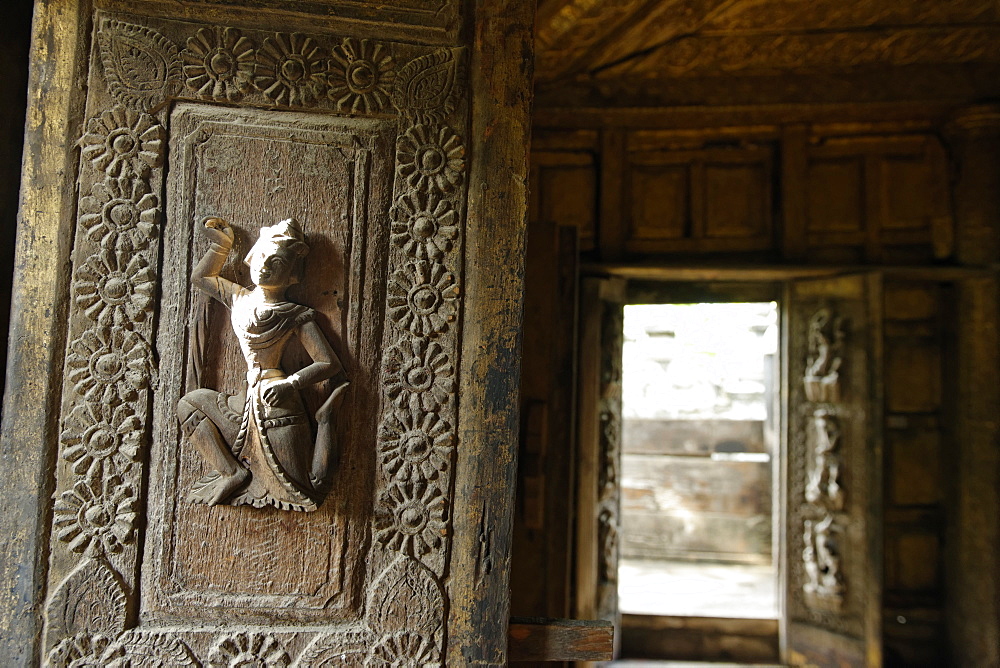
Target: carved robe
x: 274, y: 441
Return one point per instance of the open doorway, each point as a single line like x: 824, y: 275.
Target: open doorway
x: 700, y: 443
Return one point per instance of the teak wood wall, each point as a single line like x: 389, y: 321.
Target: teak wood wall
x: 749, y: 193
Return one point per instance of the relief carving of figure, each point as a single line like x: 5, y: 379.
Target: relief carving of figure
x: 822, y: 376
x: 823, y: 483
x: 821, y: 560
x: 260, y: 443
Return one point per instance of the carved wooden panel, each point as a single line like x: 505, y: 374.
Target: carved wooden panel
x: 833, y: 454
x: 376, y: 177
x: 325, y: 174
x: 878, y: 198
x: 708, y: 199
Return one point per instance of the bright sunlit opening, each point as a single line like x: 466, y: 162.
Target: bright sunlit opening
x: 699, y: 439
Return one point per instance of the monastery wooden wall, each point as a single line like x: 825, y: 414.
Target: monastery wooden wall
x: 759, y: 192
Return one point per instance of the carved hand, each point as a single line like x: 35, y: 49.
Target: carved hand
x: 278, y: 391
x: 219, y: 232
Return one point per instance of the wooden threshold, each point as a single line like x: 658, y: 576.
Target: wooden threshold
x: 544, y: 639
x: 699, y: 638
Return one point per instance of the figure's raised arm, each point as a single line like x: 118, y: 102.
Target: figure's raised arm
x: 205, y: 276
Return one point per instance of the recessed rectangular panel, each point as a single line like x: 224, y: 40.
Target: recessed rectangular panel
x: 569, y: 197
x: 255, y: 168
x: 835, y: 196
x: 659, y: 201
x: 737, y: 200
x: 909, y: 190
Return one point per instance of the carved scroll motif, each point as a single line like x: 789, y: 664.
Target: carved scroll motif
x: 91, y: 599
x: 427, y: 88
x: 111, y: 367
x: 142, y: 66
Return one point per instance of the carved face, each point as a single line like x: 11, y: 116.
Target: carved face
x: 272, y: 265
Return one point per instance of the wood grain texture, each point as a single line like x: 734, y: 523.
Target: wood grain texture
x: 38, y: 318
x: 540, y: 639
x: 488, y: 379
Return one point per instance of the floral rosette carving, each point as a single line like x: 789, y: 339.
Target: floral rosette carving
x: 115, y: 288
x: 97, y: 516
x: 424, y: 225
x: 155, y: 650
x: 108, y: 365
x: 219, y: 64
x: 291, y: 69
x: 248, y: 649
x: 360, y: 77
x: 414, y: 447
x: 419, y: 375
x: 429, y: 157
x: 101, y: 439
x: 422, y: 298
x: 84, y: 650
x: 120, y: 213
x: 405, y: 649
x: 123, y: 142
x: 411, y: 518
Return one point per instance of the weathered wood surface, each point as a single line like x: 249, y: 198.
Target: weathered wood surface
x: 39, y: 307
x: 541, y: 639
x: 488, y: 382
x: 388, y: 139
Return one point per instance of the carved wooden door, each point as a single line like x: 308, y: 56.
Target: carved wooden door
x: 598, y: 484
x: 832, y: 532
x: 397, y: 144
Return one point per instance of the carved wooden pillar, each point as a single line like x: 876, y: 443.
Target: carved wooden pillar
x: 975, y: 138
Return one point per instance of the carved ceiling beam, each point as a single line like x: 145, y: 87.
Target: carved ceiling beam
x: 567, y: 31
x: 769, y: 53
x: 795, y: 15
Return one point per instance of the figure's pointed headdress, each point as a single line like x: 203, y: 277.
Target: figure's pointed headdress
x: 285, y: 232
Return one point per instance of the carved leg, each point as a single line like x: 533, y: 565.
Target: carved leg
x: 229, y: 475
x: 325, y: 452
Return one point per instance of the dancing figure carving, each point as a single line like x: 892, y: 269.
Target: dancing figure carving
x: 260, y: 443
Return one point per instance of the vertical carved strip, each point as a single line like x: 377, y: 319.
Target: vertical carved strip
x: 110, y: 367
x: 609, y: 483
x: 423, y: 303
x: 822, y: 502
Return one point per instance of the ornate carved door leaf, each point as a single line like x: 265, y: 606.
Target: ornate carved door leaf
x: 832, y: 536
x: 188, y: 120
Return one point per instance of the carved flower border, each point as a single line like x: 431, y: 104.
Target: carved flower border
x: 110, y: 368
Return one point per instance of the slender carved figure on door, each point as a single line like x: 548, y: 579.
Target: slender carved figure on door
x: 259, y: 443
